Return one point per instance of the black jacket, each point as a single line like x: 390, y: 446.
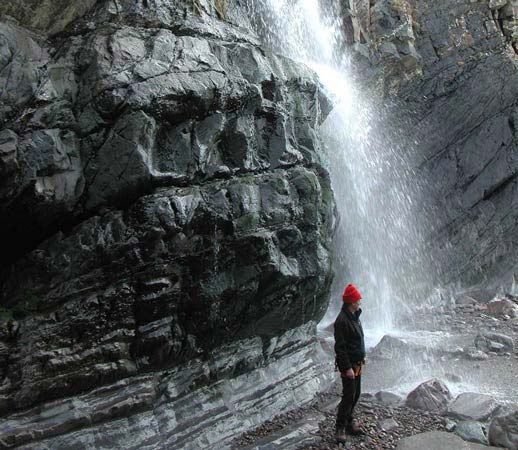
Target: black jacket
x: 349, y: 340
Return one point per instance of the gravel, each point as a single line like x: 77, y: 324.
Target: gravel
x: 369, y: 412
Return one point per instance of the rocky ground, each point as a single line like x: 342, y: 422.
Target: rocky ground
x: 384, y: 424
x: 468, y: 346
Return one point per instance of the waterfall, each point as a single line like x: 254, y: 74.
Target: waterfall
x: 378, y: 245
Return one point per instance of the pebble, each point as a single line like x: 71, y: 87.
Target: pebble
x: 371, y: 414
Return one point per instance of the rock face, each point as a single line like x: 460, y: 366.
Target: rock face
x: 447, y: 70
x: 166, y: 223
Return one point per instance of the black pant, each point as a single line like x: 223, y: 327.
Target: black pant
x: 350, y: 395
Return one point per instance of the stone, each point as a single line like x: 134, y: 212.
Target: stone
x: 472, y: 431
x: 477, y: 355
x: 472, y: 406
x: 465, y: 300
x: 439, y: 440
x: 494, y: 342
x: 503, y: 431
x: 158, y: 401
x: 497, y: 4
x: 502, y: 307
x: 432, y: 395
x: 388, y: 346
x: 449, y: 424
x: 388, y: 398
x: 389, y: 425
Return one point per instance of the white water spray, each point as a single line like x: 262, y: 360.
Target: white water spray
x: 378, y: 243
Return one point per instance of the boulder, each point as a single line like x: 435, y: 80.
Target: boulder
x: 503, y: 431
x: 388, y: 347
x: 432, y: 395
x: 438, y: 440
x: 502, y: 307
x: 389, y: 425
x: 388, y: 398
x: 472, y: 431
x: 473, y: 406
x: 494, y: 342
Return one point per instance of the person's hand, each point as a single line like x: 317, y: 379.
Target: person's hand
x: 348, y: 374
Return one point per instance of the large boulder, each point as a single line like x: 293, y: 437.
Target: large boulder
x: 472, y: 406
x: 439, y: 440
x: 432, y: 395
x: 503, y: 431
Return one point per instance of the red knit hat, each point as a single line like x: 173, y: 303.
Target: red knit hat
x: 351, y: 294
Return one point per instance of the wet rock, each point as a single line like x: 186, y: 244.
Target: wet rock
x: 157, y: 401
x: 503, y: 431
x: 472, y: 431
x: 472, y: 406
x: 494, y: 342
x: 477, y: 355
x: 432, y: 395
x: 388, y: 398
x: 388, y: 347
x: 446, y: 79
x: 163, y: 193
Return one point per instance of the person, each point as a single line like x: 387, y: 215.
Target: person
x: 350, y: 357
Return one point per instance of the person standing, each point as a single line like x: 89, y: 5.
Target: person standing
x: 350, y: 357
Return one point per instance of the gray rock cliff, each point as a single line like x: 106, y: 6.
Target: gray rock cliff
x: 166, y: 226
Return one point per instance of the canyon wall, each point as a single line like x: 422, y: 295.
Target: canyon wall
x: 445, y: 74
x: 166, y: 226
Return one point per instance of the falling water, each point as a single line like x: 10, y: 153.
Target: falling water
x: 378, y: 242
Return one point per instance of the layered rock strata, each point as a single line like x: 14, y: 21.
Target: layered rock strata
x: 166, y: 224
